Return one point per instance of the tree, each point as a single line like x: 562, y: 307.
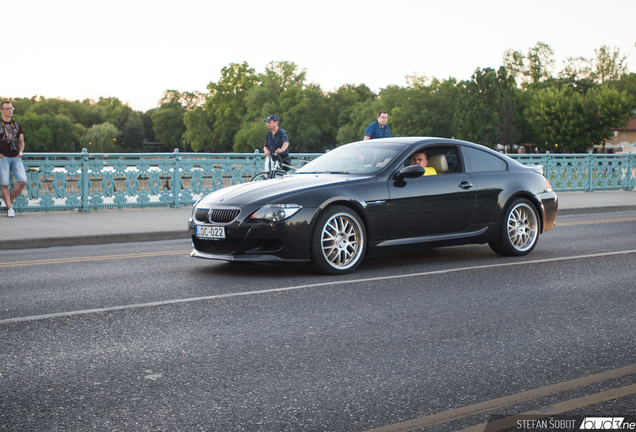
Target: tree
x: 198, y: 132
x: 533, y: 67
x: 65, y: 134
x: 250, y: 137
x: 304, y: 115
x: 343, y: 104
x: 608, y: 65
x: 263, y: 99
x: 168, y: 126
x: 355, y: 121
x: 100, y: 138
x: 626, y: 84
x: 540, y: 62
x: 608, y: 109
x: 111, y: 110
x: 282, y: 75
x: 38, y: 133
x: 187, y: 100
x: 486, y: 109
x: 225, y: 105
x: 20, y: 105
x: 576, y: 68
x: 132, y: 136
x: 426, y: 110
x: 558, y: 117
x: 50, y: 133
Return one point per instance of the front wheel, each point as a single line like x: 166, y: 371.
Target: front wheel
x: 519, y: 231
x: 266, y: 175
x: 338, y: 241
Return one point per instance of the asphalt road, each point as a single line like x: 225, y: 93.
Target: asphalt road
x: 141, y: 337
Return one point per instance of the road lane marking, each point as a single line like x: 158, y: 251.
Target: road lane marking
x: 299, y: 287
x: 506, y: 401
x: 93, y: 258
x: 556, y: 409
x: 592, y: 222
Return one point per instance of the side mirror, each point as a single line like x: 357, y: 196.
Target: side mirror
x: 411, y: 171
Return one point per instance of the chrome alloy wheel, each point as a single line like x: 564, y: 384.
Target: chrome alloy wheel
x: 342, y: 241
x: 523, y: 227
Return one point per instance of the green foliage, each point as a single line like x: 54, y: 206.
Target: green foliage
x: 132, y: 136
x: 609, y: 65
x: 57, y: 125
x: 49, y: 133
x: 198, y: 132
x: 559, y: 118
x: 250, y: 137
x: 101, y: 138
x: 168, y: 126
x: 608, y: 108
x: 533, y: 67
x: 627, y: 85
x: 20, y: 105
x: 280, y: 76
x: 304, y: 116
x: 350, y: 108
x: 485, y: 111
x: 226, y: 105
x: 38, y: 136
x: 521, y: 102
x: 426, y: 110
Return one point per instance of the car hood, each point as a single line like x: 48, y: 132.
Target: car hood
x: 264, y: 191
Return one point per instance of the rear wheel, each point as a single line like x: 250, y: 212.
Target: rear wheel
x: 519, y: 231
x: 338, y: 241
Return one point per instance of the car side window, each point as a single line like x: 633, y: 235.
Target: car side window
x: 445, y: 160
x: 480, y: 161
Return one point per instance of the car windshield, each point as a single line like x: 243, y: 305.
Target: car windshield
x: 359, y: 158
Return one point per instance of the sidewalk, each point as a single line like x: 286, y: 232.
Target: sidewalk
x: 66, y: 228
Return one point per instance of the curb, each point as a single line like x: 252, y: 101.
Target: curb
x: 93, y: 240
x: 589, y: 210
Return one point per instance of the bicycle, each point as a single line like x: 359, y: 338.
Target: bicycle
x: 278, y: 168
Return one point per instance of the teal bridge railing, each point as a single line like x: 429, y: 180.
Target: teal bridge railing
x: 585, y: 172
x: 92, y: 181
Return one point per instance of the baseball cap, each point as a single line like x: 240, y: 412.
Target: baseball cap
x: 272, y: 117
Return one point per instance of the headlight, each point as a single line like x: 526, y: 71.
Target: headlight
x: 275, y: 212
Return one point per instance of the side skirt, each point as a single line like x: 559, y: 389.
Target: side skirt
x: 433, y: 238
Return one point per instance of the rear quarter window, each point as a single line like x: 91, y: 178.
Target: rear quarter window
x: 477, y: 161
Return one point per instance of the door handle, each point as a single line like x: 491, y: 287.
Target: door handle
x: 465, y: 185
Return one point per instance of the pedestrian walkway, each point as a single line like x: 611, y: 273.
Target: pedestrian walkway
x: 67, y: 228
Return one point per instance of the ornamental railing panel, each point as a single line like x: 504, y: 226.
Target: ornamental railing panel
x: 585, y: 172
x: 92, y: 181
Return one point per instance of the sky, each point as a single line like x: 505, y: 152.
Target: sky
x: 136, y: 49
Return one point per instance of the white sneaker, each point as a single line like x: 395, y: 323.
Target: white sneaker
x: 11, y: 213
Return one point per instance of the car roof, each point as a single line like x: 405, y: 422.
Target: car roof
x: 417, y: 141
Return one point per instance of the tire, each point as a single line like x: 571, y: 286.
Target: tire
x: 338, y: 241
x: 519, y: 229
x: 265, y: 175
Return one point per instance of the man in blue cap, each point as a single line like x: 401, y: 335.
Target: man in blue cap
x: 276, y: 140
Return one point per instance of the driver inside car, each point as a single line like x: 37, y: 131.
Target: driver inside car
x: 421, y: 159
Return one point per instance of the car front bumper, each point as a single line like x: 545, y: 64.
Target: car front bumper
x: 258, y: 242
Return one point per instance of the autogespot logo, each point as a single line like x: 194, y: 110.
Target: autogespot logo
x: 607, y: 423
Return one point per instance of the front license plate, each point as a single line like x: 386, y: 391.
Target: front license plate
x: 210, y: 232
